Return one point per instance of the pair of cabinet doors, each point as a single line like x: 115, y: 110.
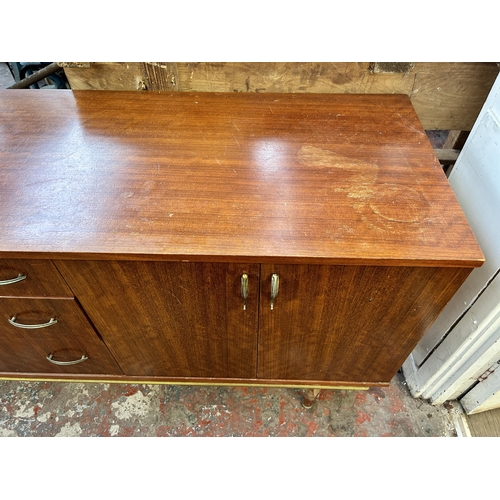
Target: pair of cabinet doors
x: 328, y: 323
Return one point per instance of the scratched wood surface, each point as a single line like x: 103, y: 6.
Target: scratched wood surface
x: 247, y: 177
x: 446, y: 96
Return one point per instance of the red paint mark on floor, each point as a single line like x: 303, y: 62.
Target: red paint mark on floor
x: 362, y: 417
x: 360, y: 398
x: 312, y: 427
x: 130, y: 391
x: 162, y: 408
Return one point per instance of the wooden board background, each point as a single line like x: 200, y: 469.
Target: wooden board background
x: 486, y: 424
x: 446, y: 96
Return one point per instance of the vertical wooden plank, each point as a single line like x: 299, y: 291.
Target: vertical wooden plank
x: 161, y: 76
x: 456, y: 139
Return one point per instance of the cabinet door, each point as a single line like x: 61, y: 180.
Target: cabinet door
x: 172, y: 319
x: 50, y: 336
x: 347, y: 323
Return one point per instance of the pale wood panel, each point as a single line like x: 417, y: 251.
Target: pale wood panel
x: 343, y: 78
x: 108, y: 76
x: 451, y: 94
x: 486, y: 424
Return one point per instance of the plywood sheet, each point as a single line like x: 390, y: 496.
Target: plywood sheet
x: 339, y: 78
x: 451, y: 94
x: 108, y: 76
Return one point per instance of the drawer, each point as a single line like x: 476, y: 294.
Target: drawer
x: 31, y: 278
x: 50, y: 336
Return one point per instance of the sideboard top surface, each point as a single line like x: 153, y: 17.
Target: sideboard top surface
x: 225, y: 177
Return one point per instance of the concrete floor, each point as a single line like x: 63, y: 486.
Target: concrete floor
x: 90, y: 409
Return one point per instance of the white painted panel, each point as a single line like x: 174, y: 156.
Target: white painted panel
x: 485, y: 396
x: 464, y: 355
x: 483, y: 152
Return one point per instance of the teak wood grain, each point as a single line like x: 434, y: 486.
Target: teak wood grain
x: 42, y: 279
x: 348, y: 323
x: 69, y: 339
x: 170, y: 318
x: 149, y: 208
x: 276, y: 178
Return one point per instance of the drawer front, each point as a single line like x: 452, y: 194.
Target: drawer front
x: 50, y: 336
x: 31, y: 278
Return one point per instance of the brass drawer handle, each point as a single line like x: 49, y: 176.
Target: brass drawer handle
x: 275, y: 286
x: 13, y: 322
x: 66, y: 363
x: 20, y: 277
x: 244, y: 290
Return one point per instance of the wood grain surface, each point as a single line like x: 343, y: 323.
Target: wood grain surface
x: 23, y: 350
x: 348, y: 323
x: 225, y: 177
x: 485, y: 424
x: 446, y: 96
x: 42, y: 279
x: 170, y: 318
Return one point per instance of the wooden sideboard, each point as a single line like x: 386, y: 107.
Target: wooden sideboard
x: 301, y: 240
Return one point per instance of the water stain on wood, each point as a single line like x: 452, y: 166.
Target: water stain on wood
x: 382, y: 207
x: 399, y: 203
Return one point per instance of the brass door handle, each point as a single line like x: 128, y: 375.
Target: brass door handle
x: 66, y: 363
x: 275, y: 286
x: 13, y: 322
x: 244, y: 290
x: 20, y: 277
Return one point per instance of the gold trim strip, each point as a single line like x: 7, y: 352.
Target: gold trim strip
x: 209, y: 384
